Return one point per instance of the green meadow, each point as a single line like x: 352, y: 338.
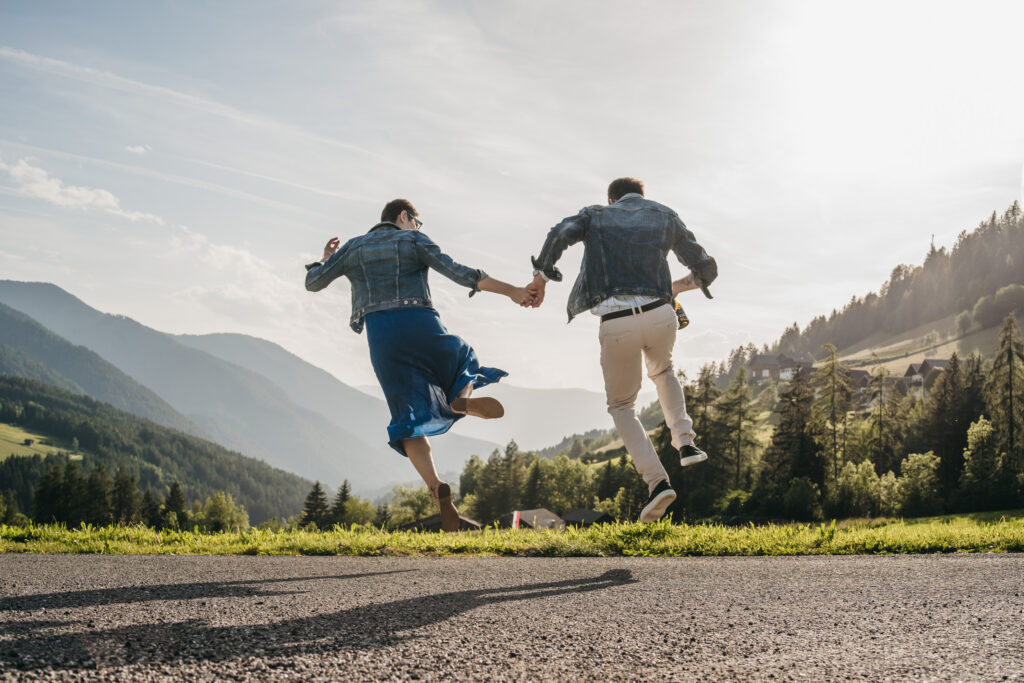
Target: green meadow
x: 974, y: 533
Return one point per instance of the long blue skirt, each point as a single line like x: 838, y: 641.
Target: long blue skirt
x: 421, y: 369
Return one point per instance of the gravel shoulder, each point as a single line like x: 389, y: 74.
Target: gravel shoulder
x: 947, y: 617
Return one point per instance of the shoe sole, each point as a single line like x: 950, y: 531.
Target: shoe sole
x: 487, y: 408
x: 693, y: 459
x: 656, y: 508
x: 449, y: 515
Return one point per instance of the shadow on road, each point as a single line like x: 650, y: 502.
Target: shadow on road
x: 359, y: 628
x: 171, y: 591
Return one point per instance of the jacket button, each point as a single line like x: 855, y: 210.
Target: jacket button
x: 406, y: 301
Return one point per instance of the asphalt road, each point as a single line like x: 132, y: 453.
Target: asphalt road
x: 809, y: 618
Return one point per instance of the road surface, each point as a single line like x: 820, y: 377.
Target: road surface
x: 306, y: 618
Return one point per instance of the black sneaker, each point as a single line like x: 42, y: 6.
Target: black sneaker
x: 660, y: 499
x: 691, y: 455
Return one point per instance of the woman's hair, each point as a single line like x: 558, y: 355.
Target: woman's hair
x: 395, y: 207
x: 623, y: 186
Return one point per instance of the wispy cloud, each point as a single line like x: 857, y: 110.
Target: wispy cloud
x: 35, y: 182
x: 206, y: 105
x: 139, y: 149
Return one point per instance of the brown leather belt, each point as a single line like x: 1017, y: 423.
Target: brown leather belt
x: 635, y: 310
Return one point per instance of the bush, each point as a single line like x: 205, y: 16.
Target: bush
x: 733, y: 503
x: 701, y: 502
x: 888, y: 495
x: 222, y: 513
x: 981, y: 485
x: 919, y: 485
x: 802, y: 501
x: 963, y: 322
x: 857, y: 491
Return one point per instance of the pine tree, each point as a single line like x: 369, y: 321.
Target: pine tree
x: 151, y: 509
x: 73, y: 501
x: 793, y: 452
x: 383, y: 517
x: 125, y: 497
x: 832, y: 383
x: 98, y: 490
x: 175, y: 504
x: 1006, y: 393
x: 338, y: 513
x: 531, y: 496
x: 46, y: 500
x: 10, y: 505
x: 737, y: 415
x: 948, y: 437
x: 315, y: 509
x: 883, y: 421
x: 609, y: 485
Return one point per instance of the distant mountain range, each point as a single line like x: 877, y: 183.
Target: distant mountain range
x: 253, y: 396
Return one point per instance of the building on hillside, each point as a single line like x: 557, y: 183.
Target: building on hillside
x: 30, y: 442
x: 583, y: 517
x: 538, y: 518
x: 930, y: 364
x: 780, y: 367
x: 913, y: 376
x: 764, y: 366
x: 433, y: 523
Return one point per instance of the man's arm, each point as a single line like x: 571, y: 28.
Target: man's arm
x: 703, y: 268
x: 565, y: 234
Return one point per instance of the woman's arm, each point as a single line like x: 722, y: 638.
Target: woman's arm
x: 519, y: 295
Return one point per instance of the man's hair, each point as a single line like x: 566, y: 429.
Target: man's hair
x: 623, y: 186
x: 396, y: 206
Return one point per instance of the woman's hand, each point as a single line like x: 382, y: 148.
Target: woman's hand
x: 521, y: 296
x: 332, y: 246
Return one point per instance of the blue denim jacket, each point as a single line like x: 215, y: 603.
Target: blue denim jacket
x: 388, y: 269
x: 625, y: 249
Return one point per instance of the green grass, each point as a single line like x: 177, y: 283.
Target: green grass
x: 12, y: 442
x: 991, y: 532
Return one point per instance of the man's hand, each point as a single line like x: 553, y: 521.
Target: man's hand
x: 521, y: 296
x: 683, y: 284
x: 332, y: 246
x: 536, y: 289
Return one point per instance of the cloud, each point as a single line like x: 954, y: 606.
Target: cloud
x: 35, y: 182
x: 138, y: 149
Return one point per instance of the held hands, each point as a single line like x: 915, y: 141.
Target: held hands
x: 536, y: 289
x: 522, y: 296
x: 332, y: 246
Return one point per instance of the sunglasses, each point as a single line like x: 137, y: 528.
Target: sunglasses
x: 418, y: 223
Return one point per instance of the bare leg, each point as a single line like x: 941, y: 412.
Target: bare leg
x: 466, y: 392
x: 418, y: 450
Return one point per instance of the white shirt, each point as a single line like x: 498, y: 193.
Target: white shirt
x: 619, y: 303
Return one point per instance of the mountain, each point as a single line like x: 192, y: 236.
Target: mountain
x: 237, y: 407
x: 27, y: 349
x: 321, y: 393
x: 156, y: 455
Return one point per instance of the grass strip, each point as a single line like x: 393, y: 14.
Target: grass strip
x: 962, y: 534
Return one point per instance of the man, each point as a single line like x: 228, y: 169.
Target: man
x: 624, y: 279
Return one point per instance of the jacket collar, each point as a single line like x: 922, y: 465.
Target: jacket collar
x: 384, y: 224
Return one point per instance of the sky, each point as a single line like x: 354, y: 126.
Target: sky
x: 179, y: 162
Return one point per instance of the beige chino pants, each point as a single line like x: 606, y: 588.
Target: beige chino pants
x: 623, y: 341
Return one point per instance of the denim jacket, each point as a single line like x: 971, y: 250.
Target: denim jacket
x: 625, y: 246
x: 388, y: 269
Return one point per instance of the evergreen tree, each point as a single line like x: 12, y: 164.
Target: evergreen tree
x: 972, y: 405
x: 10, y: 504
x: 532, y: 494
x: 793, y: 452
x: 1006, y: 393
x: 884, y: 424
x: 609, y: 484
x: 151, y: 509
x: 98, y: 491
x: 737, y: 418
x: 125, y: 497
x: 46, y: 501
x: 948, y: 437
x: 338, y: 512
x: 315, y: 509
x: 832, y: 384
x: 73, y: 502
x: 175, y: 505
x: 383, y: 517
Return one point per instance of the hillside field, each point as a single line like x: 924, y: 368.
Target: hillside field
x: 12, y: 442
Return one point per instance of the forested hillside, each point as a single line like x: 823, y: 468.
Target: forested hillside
x: 155, y: 455
x: 981, y: 276
x: 27, y: 349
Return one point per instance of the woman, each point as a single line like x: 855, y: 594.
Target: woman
x: 427, y: 375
